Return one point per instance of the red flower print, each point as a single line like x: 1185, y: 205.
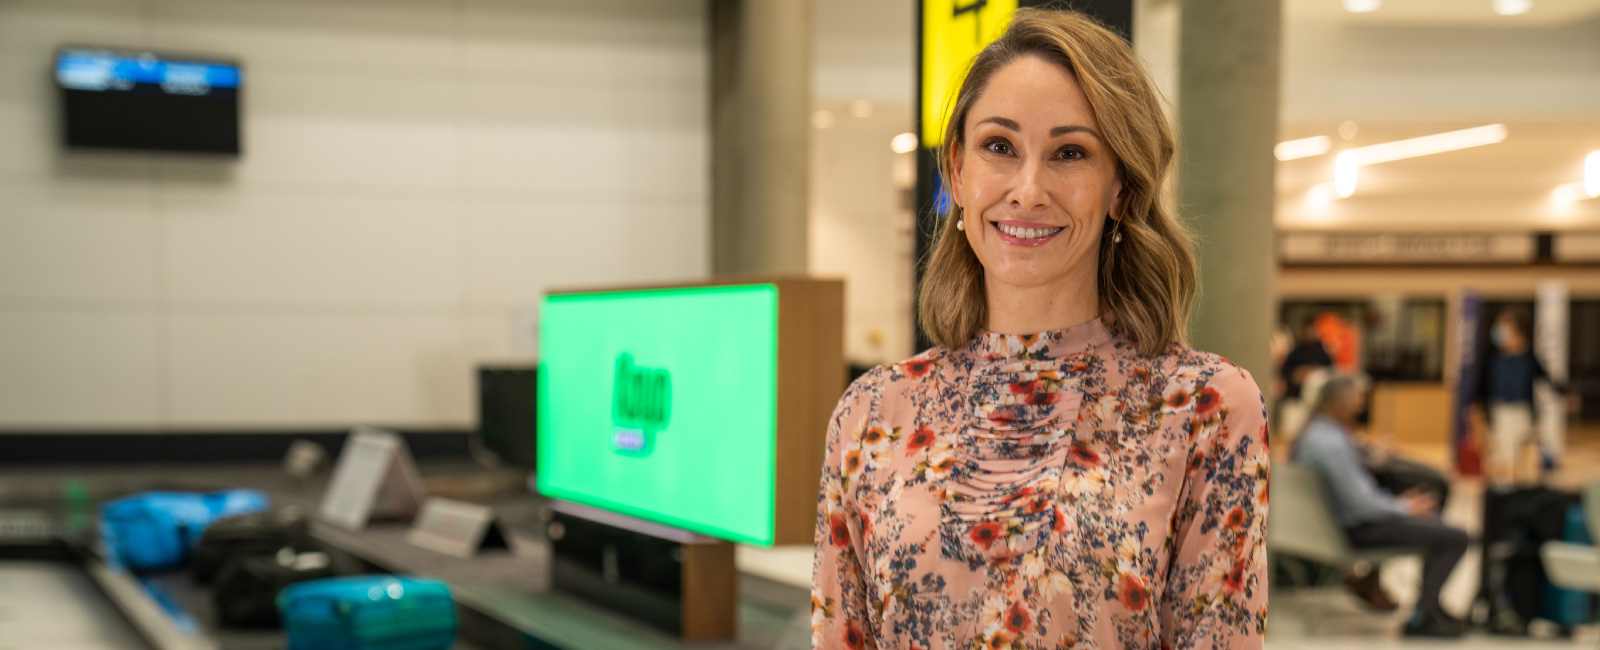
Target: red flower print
x: 1037, y: 506
x: 1061, y: 521
x: 1018, y: 620
x: 1235, y: 579
x: 1235, y: 518
x: 1083, y: 454
x: 916, y: 368
x: 839, y: 530
x: 1077, y: 366
x: 1039, y: 399
x: 1024, y: 387
x: 852, y: 635
x: 1134, y: 594
x: 1208, y: 402
x: 1019, y: 494
x: 986, y: 533
x: 866, y: 526
x: 1179, y: 398
x: 919, y: 440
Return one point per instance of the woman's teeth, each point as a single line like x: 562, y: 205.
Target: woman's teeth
x: 1027, y: 233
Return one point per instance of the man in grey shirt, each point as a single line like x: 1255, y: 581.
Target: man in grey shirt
x: 1372, y: 516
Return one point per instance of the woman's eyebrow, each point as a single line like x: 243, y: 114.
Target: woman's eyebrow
x: 1063, y: 130
x: 1009, y: 123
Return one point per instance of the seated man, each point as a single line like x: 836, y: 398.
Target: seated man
x: 1374, y: 517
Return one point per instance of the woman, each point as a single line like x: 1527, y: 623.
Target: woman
x: 1060, y: 472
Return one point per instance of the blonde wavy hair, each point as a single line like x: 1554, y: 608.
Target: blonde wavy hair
x: 1148, y: 280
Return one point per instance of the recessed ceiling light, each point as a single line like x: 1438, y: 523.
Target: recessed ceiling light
x: 1345, y: 169
x: 1591, y: 174
x: 822, y: 118
x: 903, y: 143
x: 1429, y: 144
x: 1303, y: 148
x: 1348, y: 129
x: 1361, y: 6
x: 1512, y: 7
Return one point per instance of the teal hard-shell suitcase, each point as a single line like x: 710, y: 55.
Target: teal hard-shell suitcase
x: 368, y: 613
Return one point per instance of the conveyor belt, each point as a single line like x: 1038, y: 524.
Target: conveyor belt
x: 47, y: 605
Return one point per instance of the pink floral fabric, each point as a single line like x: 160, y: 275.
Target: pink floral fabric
x: 1044, y: 492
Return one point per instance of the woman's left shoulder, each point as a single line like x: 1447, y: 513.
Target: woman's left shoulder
x: 1204, y: 370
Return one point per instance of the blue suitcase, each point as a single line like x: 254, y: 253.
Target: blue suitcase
x: 368, y: 613
x: 1567, y: 607
x: 157, y: 530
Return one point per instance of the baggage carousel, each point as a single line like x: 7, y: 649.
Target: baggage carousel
x: 56, y: 591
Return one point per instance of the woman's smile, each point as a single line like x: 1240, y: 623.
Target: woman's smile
x: 1027, y: 234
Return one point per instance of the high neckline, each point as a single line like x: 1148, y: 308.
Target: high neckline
x: 1050, y: 344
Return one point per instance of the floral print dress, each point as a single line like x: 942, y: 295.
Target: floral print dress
x: 1044, y: 492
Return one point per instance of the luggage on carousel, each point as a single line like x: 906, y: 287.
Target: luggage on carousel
x: 248, y: 584
x: 1569, y: 608
x: 1516, y: 522
x: 254, y: 534
x: 157, y: 530
x: 368, y: 613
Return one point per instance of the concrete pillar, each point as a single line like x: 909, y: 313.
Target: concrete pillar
x: 1228, y: 123
x: 760, y: 124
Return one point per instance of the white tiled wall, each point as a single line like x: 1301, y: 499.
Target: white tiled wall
x: 415, y: 173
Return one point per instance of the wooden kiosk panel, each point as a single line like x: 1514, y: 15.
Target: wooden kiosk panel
x: 811, y: 375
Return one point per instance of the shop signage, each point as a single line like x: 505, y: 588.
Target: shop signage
x: 1406, y: 248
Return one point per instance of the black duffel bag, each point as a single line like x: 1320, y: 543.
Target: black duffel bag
x: 256, y: 534
x: 247, y: 586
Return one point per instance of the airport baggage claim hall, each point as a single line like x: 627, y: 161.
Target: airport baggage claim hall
x: 578, y: 324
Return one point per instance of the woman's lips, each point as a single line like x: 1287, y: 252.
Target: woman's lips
x: 1026, y: 234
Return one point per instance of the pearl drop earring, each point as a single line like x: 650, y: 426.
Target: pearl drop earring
x: 961, y: 224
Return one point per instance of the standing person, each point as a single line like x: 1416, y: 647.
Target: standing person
x: 1060, y: 471
x: 1374, y: 517
x: 1505, y: 391
x: 1309, y: 355
x: 1305, y: 367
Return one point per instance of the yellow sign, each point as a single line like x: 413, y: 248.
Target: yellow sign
x: 953, y: 32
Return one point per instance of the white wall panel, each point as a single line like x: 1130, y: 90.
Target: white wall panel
x: 640, y: 43
x: 77, y: 240
x: 555, y: 140
x: 415, y: 174
x: 79, y: 369
x: 409, y: 37
x: 515, y: 251
x: 245, y: 369
x: 391, y: 132
x: 329, y: 249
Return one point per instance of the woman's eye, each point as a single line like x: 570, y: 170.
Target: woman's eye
x: 1070, y: 153
x: 998, y: 146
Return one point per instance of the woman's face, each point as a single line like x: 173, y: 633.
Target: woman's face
x: 1034, y: 179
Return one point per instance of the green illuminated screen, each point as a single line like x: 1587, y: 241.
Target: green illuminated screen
x: 661, y: 404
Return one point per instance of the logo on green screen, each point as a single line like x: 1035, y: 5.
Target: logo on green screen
x: 641, y: 405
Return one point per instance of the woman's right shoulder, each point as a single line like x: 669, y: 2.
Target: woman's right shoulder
x: 868, y: 392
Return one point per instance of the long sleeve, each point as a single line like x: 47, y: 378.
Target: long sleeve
x: 1356, y: 495
x: 839, y: 614
x: 1216, y: 592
